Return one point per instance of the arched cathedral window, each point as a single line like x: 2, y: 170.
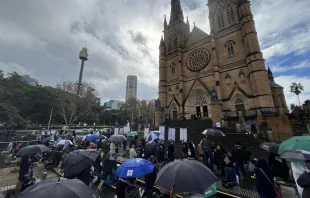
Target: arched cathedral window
x: 230, y: 15
x: 175, y: 42
x: 230, y: 45
x: 173, y: 66
x: 220, y: 20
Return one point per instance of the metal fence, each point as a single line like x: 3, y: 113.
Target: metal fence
x: 9, y: 169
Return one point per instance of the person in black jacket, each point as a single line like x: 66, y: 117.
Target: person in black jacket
x: 150, y: 179
x: 238, y: 156
x: 121, y: 188
x: 304, y: 182
x: 264, y: 179
x: 171, y: 151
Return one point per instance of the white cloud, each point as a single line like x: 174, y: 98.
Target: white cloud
x: 122, y: 36
x: 298, y: 66
x: 13, y: 67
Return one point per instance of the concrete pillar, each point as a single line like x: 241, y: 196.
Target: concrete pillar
x: 216, y: 111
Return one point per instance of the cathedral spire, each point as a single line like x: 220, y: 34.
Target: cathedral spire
x: 270, y: 74
x: 176, y: 11
x: 165, y: 22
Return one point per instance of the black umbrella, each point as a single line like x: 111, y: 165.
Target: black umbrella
x: 117, y: 138
x: 33, y: 149
x: 60, y: 188
x: 46, y: 140
x: 77, y: 161
x: 270, y: 147
x: 185, y: 176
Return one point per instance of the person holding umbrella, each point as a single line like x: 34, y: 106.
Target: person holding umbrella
x: 59, y: 188
x: 23, y: 170
x: 132, y: 169
x: 185, y: 177
x: 290, y: 146
x: 304, y: 181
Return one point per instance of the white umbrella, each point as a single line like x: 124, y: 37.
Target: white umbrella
x: 64, y: 142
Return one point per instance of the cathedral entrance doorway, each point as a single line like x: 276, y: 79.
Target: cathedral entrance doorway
x: 202, y: 111
x: 197, y: 104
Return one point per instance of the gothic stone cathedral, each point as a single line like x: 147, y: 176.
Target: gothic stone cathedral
x: 227, y: 63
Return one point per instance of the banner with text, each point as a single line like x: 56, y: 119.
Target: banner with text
x: 183, y: 134
x: 171, y: 134
x: 121, y: 131
x: 162, y: 132
x: 115, y: 131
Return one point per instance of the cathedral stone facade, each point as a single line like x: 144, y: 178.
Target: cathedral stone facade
x: 227, y: 66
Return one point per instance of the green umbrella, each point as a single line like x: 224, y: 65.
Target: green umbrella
x: 133, y: 133
x: 295, y: 143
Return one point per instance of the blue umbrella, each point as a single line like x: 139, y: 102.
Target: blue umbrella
x: 153, y: 135
x: 134, y: 168
x: 92, y: 137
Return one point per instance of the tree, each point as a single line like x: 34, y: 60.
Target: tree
x: 10, y: 117
x: 1, y: 74
x: 297, y: 88
x: 75, y: 106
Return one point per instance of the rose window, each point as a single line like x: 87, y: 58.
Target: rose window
x: 198, y: 59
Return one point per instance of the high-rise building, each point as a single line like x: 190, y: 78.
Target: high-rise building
x: 113, y: 105
x: 131, y: 87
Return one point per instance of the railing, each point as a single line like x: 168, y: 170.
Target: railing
x: 251, y: 113
x: 269, y: 111
x: 230, y: 114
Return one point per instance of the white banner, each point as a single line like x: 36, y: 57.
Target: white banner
x: 121, y: 131
x: 183, y: 134
x: 115, y: 131
x: 162, y: 132
x: 171, y: 134
x: 146, y: 132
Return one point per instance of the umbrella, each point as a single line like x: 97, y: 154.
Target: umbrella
x: 92, y: 137
x: 134, y: 168
x: 213, y: 132
x: 153, y: 135
x: 64, y: 142
x: 60, y: 188
x: 296, y: 155
x: 133, y: 133
x: 270, y: 147
x: 46, y: 140
x: 185, y: 176
x: 33, y: 149
x: 295, y: 143
x: 77, y: 161
x: 117, y: 138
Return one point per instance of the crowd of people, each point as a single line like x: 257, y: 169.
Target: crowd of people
x: 231, y: 166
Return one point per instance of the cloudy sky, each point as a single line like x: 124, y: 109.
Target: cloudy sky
x: 42, y: 38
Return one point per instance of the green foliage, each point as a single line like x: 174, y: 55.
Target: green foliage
x: 23, y: 104
x: 297, y: 88
x: 137, y: 112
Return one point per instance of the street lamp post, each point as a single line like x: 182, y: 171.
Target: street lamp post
x: 83, y: 55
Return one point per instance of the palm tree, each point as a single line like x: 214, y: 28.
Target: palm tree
x: 297, y: 88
